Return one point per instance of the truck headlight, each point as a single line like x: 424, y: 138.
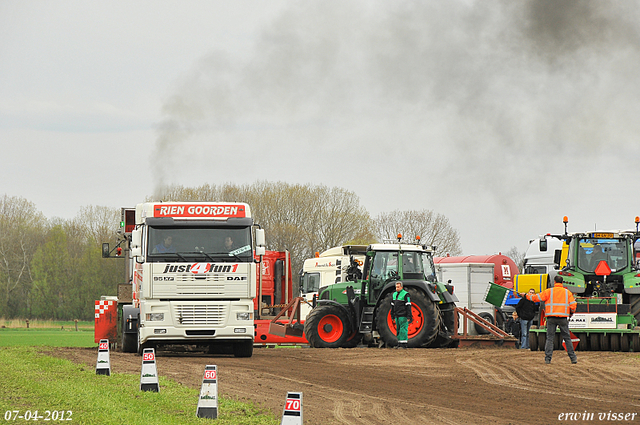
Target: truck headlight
x: 244, y: 316
x: 155, y: 317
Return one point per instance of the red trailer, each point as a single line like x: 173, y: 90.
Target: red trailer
x: 275, y: 290
x: 504, y: 268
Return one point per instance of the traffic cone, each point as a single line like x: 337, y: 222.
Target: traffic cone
x: 149, y: 372
x: 208, y: 401
x: 292, y: 412
x: 103, y: 365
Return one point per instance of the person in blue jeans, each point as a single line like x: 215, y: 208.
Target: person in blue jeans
x: 526, y: 310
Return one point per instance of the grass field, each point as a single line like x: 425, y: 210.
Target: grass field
x: 10, y: 337
x: 49, y: 324
x: 32, y: 381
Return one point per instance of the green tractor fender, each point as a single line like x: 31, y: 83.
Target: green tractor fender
x: 631, y: 283
x: 572, y: 280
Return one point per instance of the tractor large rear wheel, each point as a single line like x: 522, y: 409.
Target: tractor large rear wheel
x: 327, y: 326
x: 422, y: 330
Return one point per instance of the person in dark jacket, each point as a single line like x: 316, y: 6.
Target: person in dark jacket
x: 401, y: 314
x: 512, y: 326
x: 526, y: 310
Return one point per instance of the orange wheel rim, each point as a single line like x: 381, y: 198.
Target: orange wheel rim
x: 414, y: 327
x: 330, y: 328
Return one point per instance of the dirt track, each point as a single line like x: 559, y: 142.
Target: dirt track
x: 415, y: 386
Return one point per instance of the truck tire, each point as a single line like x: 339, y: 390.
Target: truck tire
x: 542, y: 340
x: 533, y: 341
x: 615, y: 342
x: 594, y: 340
x: 422, y: 330
x: 583, y: 345
x: 129, y: 342
x: 624, y: 342
x: 243, y: 348
x: 604, y: 342
x: 489, y: 318
x: 327, y: 327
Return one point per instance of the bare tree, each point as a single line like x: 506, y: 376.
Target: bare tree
x: 516, y: 256
x: 299, y: 218
x: 432, y: 228
x: 22, y: 230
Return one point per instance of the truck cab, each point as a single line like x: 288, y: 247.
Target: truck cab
x: 193, y: 276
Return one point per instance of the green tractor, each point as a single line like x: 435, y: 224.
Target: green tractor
x: 348, y: 313
x: 601, y: 269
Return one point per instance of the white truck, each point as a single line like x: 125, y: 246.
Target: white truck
x: 470, y: 281
x: 327, y: 268
x: 193, y: 276
x: 537, y: 261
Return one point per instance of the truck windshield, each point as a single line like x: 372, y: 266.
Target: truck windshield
x: 592, y: 251
x: 180, y: 244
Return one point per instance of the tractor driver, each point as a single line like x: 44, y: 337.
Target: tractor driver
x: 401, y: 314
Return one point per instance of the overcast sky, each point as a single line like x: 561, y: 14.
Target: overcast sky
x: 503, y: 116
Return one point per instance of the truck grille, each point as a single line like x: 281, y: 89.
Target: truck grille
x: 200, y: 315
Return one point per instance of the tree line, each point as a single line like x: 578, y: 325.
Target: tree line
x: 53, y: 268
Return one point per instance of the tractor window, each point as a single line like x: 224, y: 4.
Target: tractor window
x: 592, y: 251
x: 428, y: 270
x: 412, y: 266
x: 384, y: 267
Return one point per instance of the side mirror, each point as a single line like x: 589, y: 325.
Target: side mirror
x: 136, y: 243
x: 260, y: 240
x: 105, y: 250
x: 543, y: 244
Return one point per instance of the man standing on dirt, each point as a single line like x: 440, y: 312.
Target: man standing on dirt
x: 526, y: 311
x: 401, y: 314
x: 559, y: 305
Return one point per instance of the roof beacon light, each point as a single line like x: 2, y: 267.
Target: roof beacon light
x: 399, y: 237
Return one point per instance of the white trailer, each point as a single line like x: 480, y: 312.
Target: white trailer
x: 470, y: 282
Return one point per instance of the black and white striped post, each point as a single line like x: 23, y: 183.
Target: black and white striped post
x: 292, y: 412
x: 208, y: 401
x: 103, y: 365
x: 149, y: 372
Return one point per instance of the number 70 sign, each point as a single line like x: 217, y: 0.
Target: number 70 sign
x: 292, y: 404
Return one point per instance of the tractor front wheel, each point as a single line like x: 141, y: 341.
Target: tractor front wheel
x: 327, y: 326
x: 422, y: 330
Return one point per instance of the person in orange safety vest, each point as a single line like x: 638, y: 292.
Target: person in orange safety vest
x: 559, y: 306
